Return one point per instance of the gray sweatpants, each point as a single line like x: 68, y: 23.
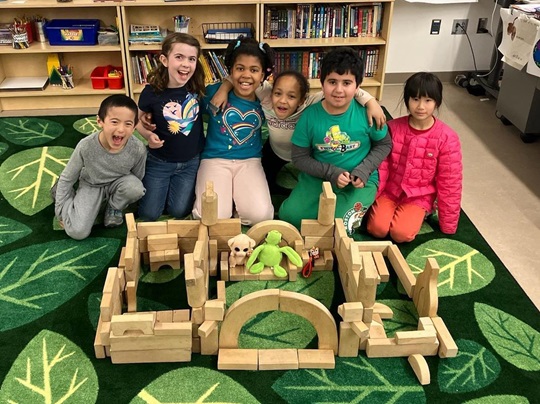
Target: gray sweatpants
x: 81, y: 207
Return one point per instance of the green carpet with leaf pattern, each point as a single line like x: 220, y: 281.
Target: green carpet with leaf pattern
x: 50, y: 290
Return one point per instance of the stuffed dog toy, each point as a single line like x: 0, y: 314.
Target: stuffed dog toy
x: 241, y: 248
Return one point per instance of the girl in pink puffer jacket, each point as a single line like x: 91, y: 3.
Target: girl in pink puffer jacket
x: 423, y: 168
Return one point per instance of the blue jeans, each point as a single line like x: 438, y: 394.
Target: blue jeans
x: 168, y: 185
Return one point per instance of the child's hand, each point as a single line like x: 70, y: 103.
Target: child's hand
x: 357, y: 182
x: 154, y: 142
x: 375, y: 112
x: 219, y: 100
x: 146, y: 121
x: 343, y: 180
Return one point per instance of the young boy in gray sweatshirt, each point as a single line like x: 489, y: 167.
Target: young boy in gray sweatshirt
x: 108, y: 165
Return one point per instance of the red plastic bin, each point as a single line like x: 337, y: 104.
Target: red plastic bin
x: 100, y: 78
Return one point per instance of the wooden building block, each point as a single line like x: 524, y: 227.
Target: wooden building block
x: 180, y: 316
x: 348, y: 341
x: 131, y: 296
x: 122, y: 259
x: 200, y: 254
x: 195, y: 282
x: 388, y: 348
x: 121, y: 279
x: 368, y: 315
x: 143, y: 322
x: 197, y: 315
x: 143, y: 245
x: 134, y: 341
x: 210, y: 343
x: 353, y: 311
x: 316, y: 359
x: 360, y: 328
x: 289, y: 233
x: 340, y: 233
x: 129, y: 257
x: 206, y: 328
x: 106, y: 307
x: 209, y: 205
x: 99, y: 349
x: 131, y: 225
x: 383, y: 310
x: 376, y: 328
x: 213, y: 254
x: 179, y: 328
x: 425, y: 295
x: 312, y: 227
x: 292, y: 270
x: 315, y: 312
x: 448, y: 347
x: 328, y: 260
x: 402, y: 269
x: 195, y: 345
x: 242, y: 310
x: 327, y: 205
x: 238, y: 359
x: 382, y: 269
x: 415, y: 337
x: 160, y: 242
x: 225, y: 227
x: 420, y: 368
x: 164, y: 316
x: 224, y: 266
x: 155, y: 266
x: 151, y: 356
x: 104, y: 328
x: 375, y: 246
x: 156, y: 256
x: 324, y: 243
x: 369, y: 270
x: 278, y: 359
x: 221, y: 291
x: 144, y: 229
x: 214, y: 310
x: 171, y: 255
x: 425, y: 323
x: 183, y: 228
x: 237, y: 273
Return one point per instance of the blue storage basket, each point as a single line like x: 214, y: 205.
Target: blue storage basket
x: 72, y: 32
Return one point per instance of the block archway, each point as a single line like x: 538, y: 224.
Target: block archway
x: 275, y: 299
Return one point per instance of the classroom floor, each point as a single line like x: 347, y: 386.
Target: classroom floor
x: 501, y: 190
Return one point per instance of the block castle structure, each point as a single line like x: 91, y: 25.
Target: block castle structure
x: 208, y: 327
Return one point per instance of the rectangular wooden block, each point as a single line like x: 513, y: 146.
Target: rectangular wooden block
x: 360, y: 328
x: 415, y: 337
x: 382, y: 269
x: 144, y: 229
x: 353, y: 311
x: 171, y: 255
x: 180, y: 316
x: 221, y: 294
x: 316, y: 359
x: 224, y: 266
x: 328, y: 260
x: 197, y: 315
x: 425, y: 323
x: 151, y: 356
x: 324, y: 243
x: 225, y: 227
x: 448, y: 347
x: 206, y: 328
x: 369, y: 270
x: 388, y: 348
x: 179, y: 328
x: 143, y: 322
x: 311, y: 227
x: 160, y: 242
x: 379, y: 246
x: 133, y: 341
x: 238, y: 359
x: 402, y: 269
x: 156, y: 256
x: 214, y: 310
x: 278, y: 359
x: 210, y: 343
x: 348, y: 341
x: 184, y: 228
x: 164, y: 316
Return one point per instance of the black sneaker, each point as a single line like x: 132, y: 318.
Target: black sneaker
x: 113, y: 217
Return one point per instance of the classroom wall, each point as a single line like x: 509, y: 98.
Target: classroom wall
x: 413, y: 49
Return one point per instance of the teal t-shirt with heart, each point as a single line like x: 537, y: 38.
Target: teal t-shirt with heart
x: 233, y: 133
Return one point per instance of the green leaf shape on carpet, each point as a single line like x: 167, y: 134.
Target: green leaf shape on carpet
x: 474, y: 368
x: 425, y: 228
x: 37, y: 279
x: 288, y: 176
x: 89, y: 125
x: 501, y: 399
x: 29, y: 132
x: 462, y: 268
x: 143, y: 304
x: 3, y: 147
x: 11, y: 231
x: 50, y: 369
x: 405, y: 316
x: 354, y: 380
x: 26, y: 177
x: 277, y: 329
x: 194, y: 385
x: 514, y: 340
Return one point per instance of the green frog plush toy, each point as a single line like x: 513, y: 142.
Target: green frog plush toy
x: 269, y: 254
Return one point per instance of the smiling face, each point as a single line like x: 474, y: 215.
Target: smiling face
x: 246, y: 75
x: 116, y: 128
x: 180, y: 63
x: 338, y: 90
x: 286, y: 96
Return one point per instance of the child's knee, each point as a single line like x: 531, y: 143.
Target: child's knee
x: 400, y: 236
x: 256, y: 216
x: 377, y: 229
x: 77, y: 233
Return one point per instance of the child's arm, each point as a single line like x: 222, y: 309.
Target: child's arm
x: 379, y: 150
x: 219, y: 100
x: 154, y: 142
x: 374, y: 110
x: 449, y: 184
x: 302, y: 159
x: 140, y: 166
x: 67, y: 180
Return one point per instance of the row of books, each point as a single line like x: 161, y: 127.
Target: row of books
x: 146, y: 34
x: 308, y: 62
x: 323, y: 21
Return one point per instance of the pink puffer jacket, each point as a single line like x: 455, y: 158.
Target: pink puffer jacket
x: 422, y: 167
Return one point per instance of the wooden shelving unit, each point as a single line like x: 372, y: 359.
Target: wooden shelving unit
x: 84, y: 99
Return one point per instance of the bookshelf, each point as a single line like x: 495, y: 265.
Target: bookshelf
x: 33, y: 60
x: 84, y: 99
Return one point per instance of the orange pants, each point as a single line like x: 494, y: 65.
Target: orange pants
x: 401, y: 221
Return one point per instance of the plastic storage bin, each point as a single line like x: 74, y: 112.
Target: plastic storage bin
x: 72, y: 32
x: 101, y: 79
